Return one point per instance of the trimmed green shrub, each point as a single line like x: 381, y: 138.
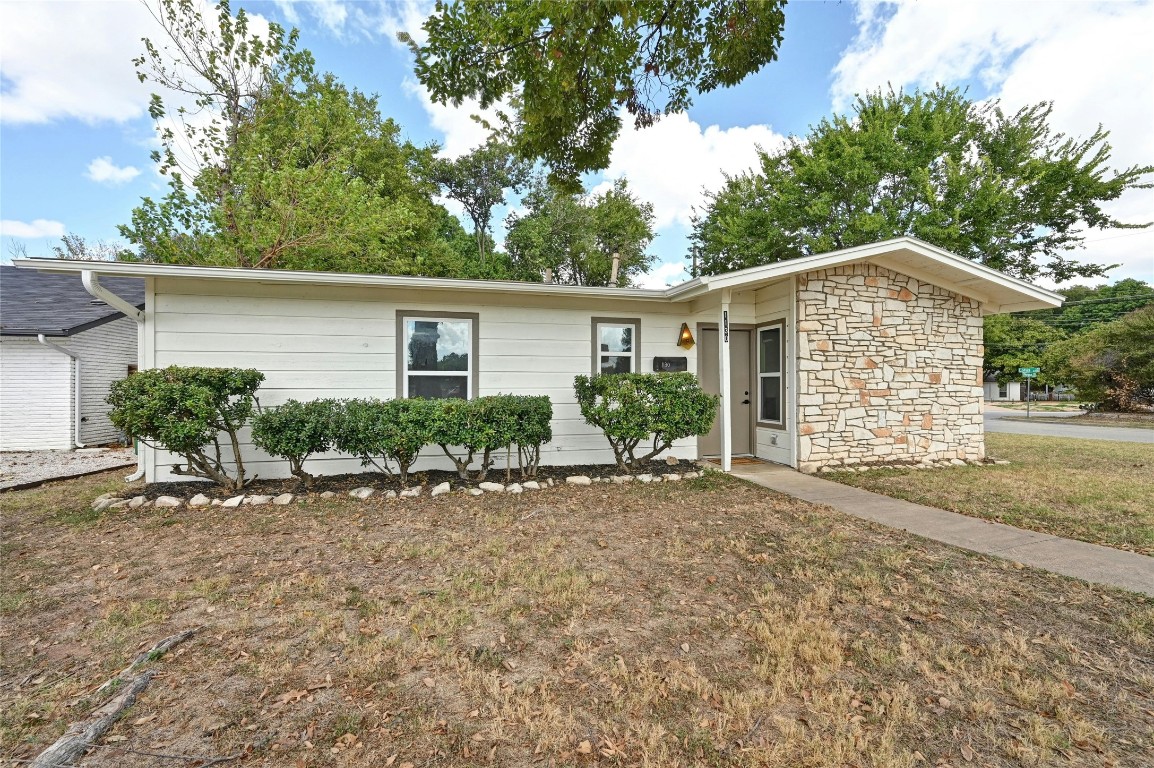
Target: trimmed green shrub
x: 184, y: 411
x: 380, y: 431
x: 634, y: 407
x: 487, y: 424
x: 534, y: 415
x: 294, y: 431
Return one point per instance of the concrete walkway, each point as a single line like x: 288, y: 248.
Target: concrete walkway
x: 1089, y: 562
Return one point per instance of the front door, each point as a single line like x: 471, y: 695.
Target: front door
x: 740, y: 402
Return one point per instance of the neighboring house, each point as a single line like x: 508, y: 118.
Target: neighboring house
x: 868, y: 354
x: 1009, y: 391
x: 60, y: 349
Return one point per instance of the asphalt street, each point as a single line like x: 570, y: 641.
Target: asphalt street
x: 997, y: 421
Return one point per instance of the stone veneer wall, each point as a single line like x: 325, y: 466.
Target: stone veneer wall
x: 889, y: 369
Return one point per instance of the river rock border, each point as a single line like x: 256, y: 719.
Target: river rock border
x: 112, y: 501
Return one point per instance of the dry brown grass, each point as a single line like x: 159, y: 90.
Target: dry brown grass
x: 1091, y: 490
x: 702, y: 623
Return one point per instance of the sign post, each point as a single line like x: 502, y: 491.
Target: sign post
x: 1029, y: 374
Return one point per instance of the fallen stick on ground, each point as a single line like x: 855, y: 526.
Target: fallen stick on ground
x: 156, y: 651
x: 76, y: 740
x: 80, y: 736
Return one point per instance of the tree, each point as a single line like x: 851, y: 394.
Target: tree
x: 1013, y: 342
x: 1112, y: 364
x: 1086, y: 307
x: 568, y: 68
x: 1001, y: 189
x: 576, y: 236
x: 288, y: 168
x: 78, y: 248
x: 478, y: 181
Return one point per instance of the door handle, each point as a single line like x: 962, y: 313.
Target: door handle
x: 745, y: 402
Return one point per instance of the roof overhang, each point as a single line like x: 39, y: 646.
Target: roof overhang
x: 920, y: 260
x: 997, y: 292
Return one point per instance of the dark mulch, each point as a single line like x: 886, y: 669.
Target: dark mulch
x: 380, y: 481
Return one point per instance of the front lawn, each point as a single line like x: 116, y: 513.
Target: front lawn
x: 1092, y: 490
x: 708, y: 622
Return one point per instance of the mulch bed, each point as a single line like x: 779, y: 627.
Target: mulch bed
x: 342, y: 484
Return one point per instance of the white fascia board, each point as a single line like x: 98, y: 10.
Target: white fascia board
x: 287, y: 277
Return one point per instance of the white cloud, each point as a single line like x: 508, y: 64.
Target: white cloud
x: 366, y: 17
x: 103, y: 171
x: 457, y: 124
x: 72, y: 60
x: 663, y: 275
x: 35, y: 228
x: 1091, y: 59
x: 671, y: 163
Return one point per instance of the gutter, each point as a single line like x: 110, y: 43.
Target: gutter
x: 92, y: 284
x: 77, y: 386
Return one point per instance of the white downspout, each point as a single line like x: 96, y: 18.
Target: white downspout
x: 723, y: 353
x: 76, y: 406
x: 92, y: 284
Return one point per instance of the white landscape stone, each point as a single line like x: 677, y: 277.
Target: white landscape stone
x: 410, y: 493
x: 549, y: 482
x: 441, y: 489
x: 645, y: 478
x: 621, y: 479
x: 137, y: 501
x: 363, y: 492
x: 1001, y: 462
x: 102, y: 504
x: 328, y: 495
x: 578, y: 480
x: 216, y: 502
x: 284, y: 498
x: 232, y: 503
x: 118, y: 504
x: 491, y: 487
x: 199, y: 500
x: 168, y: 501
x: 531, y: 485
x: 513, y: 488
x: 671, y: 477
x: 258, y: 501
x: 390, y: 494
x: 474, y: 491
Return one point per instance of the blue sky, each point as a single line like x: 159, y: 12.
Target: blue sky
x: 75, y: 136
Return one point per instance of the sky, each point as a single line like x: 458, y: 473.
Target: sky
x: 75, y: 135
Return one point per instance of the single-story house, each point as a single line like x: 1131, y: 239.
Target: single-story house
x: 60, y: 349
x: 867, y: 354
x: 1008, y: 391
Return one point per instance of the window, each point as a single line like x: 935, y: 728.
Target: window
x: 1003, y: 391
x: 615, y: 345
x: 437, y: 355
x: 770, y: 355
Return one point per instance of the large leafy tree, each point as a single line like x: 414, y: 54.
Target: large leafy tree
x: 1112, y: 365
x: 1013, y: 342
x: 279, y: 167
x: 569, y: 69
x: 1002, y: 189
x: 575, y: 236
x: 478, y: 181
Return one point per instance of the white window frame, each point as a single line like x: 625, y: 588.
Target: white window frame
x: 779, y: 375
x: 617, y: 322
x: 403, y: 350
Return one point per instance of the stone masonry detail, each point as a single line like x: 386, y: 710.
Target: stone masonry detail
x: 889, y: 370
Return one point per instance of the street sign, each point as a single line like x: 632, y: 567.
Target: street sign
x: 1029, y: 373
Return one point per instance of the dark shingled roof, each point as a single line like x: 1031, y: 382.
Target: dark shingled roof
x: 32, y: 302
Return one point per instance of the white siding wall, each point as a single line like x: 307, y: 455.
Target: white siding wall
x: 36, y: 405
x: 326, y: 342
x: 105, y: 352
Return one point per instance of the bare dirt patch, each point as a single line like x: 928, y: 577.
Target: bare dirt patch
x: 707, y: 622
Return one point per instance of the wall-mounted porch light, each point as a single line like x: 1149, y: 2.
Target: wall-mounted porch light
x: 685, y: 338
